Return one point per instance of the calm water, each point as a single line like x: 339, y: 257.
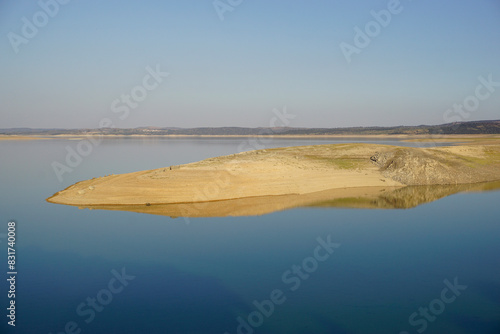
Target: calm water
x: 217, y: 275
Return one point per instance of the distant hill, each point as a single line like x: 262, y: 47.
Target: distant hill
x: 473, y: 127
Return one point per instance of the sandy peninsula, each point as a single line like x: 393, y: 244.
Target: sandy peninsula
x: 322, y: 171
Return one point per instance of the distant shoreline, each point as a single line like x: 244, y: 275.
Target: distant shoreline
x: 16, y: 137
x: 405, y: 137
x: 484, y: 127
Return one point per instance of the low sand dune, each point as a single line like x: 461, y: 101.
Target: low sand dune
x: 289, y: 171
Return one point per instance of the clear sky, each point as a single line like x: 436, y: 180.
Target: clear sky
x: 88, y: 54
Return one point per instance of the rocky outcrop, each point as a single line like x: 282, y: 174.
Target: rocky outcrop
x: 412, y: 166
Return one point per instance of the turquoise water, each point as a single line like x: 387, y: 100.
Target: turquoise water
x: 155, y: 274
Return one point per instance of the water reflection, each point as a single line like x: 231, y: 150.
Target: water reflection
x: 359, y: 198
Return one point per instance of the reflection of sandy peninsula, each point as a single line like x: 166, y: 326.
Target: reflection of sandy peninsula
x: 359, y: 198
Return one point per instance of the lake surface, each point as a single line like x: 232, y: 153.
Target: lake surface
x: 434, y: 268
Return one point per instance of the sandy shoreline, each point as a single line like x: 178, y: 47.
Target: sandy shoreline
x: 13, y: 137
x: 358, y: 198
x: 416, y: 138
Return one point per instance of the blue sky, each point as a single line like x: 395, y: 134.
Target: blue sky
x: 234, y: 72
